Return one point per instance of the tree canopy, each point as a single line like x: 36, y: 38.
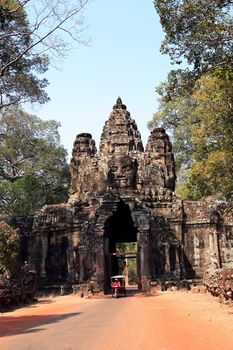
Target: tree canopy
x: 196, y: 102
x: 31, y: 34
x: 212, y: 169
x: 33, y: 167
x: 199, y: 31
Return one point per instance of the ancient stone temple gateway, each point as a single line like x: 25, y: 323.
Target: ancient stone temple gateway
x: 125, y: 193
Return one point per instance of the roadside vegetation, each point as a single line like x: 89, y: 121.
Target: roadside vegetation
x: 33, y: 166
x: 196, y: 103
x: 9, y: 249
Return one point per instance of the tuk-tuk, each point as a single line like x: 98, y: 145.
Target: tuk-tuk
x: 118, y: 286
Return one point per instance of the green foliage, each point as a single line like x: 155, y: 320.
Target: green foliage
x: 211, y: 176
x: 128, y: 266
x: 33, y: 167
x: 175, y: 114
x: 9, y: 249
x: 202, y: 134
x: 130, y: 247
x: 211, y: 172
x: 198, y: 31
x: 196, y: 103
x: 19, y: 68
x: 29, y: 39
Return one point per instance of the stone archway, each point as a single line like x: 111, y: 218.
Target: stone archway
x: 119, y: 228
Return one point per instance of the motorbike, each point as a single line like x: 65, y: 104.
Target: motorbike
x: 118, y: 286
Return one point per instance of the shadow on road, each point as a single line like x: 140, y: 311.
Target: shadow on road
x: 133, y: 292
x: 30, y: 304
x: 10, y: 325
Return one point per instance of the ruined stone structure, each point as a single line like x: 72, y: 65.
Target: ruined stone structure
x: 125, y: 193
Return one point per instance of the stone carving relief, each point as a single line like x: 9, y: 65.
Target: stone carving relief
x: 122, y: 172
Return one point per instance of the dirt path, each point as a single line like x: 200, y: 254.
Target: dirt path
x: 168, y: 321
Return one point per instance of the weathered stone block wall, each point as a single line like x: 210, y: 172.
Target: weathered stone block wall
x: 207, y: 233
x: 63, y: 244
x: 226, y: 237
x: 25, y: 226
x: 199, y: 241
x: 49, y: 243
x: 226, y: 246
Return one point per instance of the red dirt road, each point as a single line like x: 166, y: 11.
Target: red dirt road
x: 167, y: 321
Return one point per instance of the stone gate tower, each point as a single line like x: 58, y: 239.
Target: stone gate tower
x: 125, y: 193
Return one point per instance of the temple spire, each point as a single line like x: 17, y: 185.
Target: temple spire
x: 120, y: 133
x: 119, y: 104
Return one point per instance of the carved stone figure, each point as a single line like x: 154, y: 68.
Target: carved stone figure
x: 122, y: 172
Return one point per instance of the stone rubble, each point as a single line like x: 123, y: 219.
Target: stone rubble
x: 15, y: 290
x: 220, y: 284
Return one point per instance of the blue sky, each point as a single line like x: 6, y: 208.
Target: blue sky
x: 122, y: 59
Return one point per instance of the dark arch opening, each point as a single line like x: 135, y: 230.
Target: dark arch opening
x: 118, y: 228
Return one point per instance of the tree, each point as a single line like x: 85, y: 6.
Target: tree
x: 9, y: 249
x: 175, y: 114
x: 201, y: 128
x: 33, y: 167
x: 198, y: 31
x: 128, y: 265
x: 29, y: 38
x: 211, y: 171
x: 196, y: 103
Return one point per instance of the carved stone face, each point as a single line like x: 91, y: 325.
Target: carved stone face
x: 122, y: 172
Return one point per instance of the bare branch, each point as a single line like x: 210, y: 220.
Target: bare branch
x: 39, y: 31
x: 9, y: 35
x: 41, y: 40
x: 7, y: 104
